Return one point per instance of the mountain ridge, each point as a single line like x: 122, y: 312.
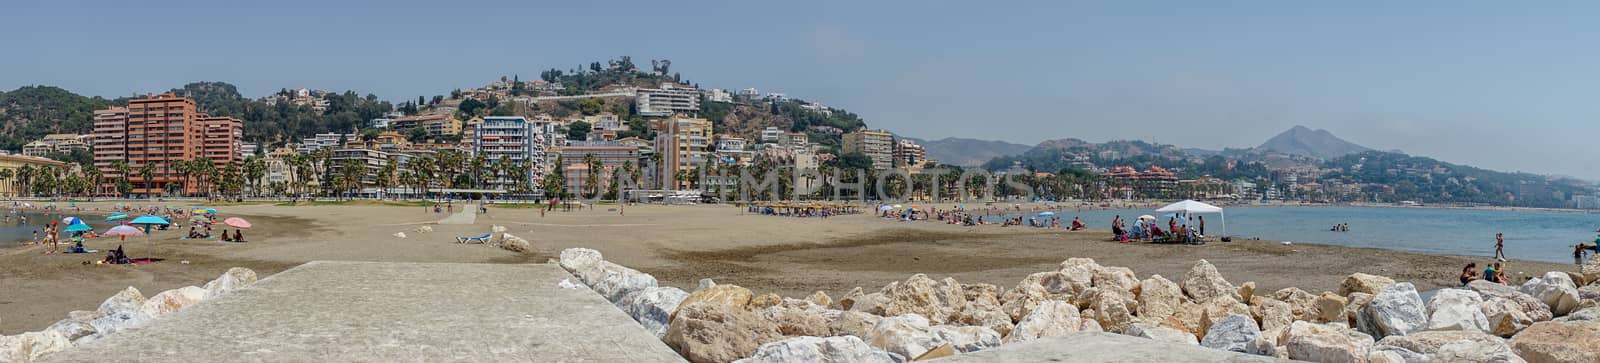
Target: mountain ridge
x: 1319, y: 143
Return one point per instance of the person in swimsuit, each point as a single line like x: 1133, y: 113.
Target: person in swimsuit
x: 1500, y: 246
x: 1469, y: 273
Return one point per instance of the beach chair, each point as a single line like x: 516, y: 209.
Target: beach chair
x: 477, y: 239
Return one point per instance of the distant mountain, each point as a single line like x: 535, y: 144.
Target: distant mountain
x: 1301, y: 140
x: 968, y: 152
x: 30, y: 112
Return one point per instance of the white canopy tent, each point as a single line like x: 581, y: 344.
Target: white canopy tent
x: 1192, y: 207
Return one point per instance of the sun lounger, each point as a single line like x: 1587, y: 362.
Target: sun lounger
x: 478, y: 239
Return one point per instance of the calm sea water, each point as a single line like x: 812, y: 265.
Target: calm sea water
x: 13, y: 233
x: 1540, y: 236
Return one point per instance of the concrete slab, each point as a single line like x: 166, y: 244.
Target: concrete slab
x: 1101, y: 347
x: 376, y: 311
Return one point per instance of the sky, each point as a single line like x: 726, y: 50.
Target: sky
x: 1503, y: 85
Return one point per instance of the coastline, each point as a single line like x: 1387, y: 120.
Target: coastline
x: 681, y: 245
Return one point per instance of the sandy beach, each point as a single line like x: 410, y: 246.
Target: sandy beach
x: 679, y: 245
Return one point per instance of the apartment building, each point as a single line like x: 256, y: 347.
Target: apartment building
x: 667, y: 100
x: 877, y: 145
x: 683, y: 143
x: 160, y: 131
x: 56, y: 143
x: 431, y: 124
x: 516, y: 139
x: 908, y: 154
x: 612, y: 156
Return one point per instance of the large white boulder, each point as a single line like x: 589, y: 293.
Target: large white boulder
x: 1158, y: 298
x: 853, y: 323
x: 121, y: 311
x: 230, y: 280
x: 917, y: 295
x: 1237, y: 333
x: 1509, y: 311
x: 1161, y: 333
x: 907, y: 335
x: 826, y: 350
x: 1397, y: 310
x: 653, y: 307
x: 1431, y: 346
x: 1203, y: 282
x: 1456, y: 309
x: 616, y: 281
x: 1555, y: 289
x: 967, y: 339
x: 1364, y: 283
x: 1555, y: 341
x: 516, y: 244
x: 172, y: 300
x: 1325, y: 343
x: 1050, y: 318
x: 710, y: 332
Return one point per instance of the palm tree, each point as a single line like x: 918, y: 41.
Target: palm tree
x: 148, y: 172
x: 476, y: 166
x: 592, y: 183
x: 386, y: 175
x: 94, y: 177
x: 24, y: 178
x: 7, y: 174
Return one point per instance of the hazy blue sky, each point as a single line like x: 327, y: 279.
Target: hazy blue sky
x: 1504, y: 85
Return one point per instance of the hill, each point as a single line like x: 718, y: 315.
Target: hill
x: 30, y: 112
x: 1403, y: 177
x: 1301, y: 140
x: 968, y: 152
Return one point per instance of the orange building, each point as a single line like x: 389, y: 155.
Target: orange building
x: 162, y: 130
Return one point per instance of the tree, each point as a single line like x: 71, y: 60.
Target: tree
x: 578, y: 130
x: 148, y: 172
x: 592, y: 184
x: 591, y: 106
x: 554, y: 182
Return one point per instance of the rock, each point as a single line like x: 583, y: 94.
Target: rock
x: 1456, y: 309
x: 765, y: 301
x: 72, y: 329
x: 907, y: 335
x: 425, y: 229
x: 1021, y: 300
x: 1329, y: 308
x: 29, y: 346
x: 814, y: 349
x: 705, y: 284
x: 1190, y: 317
x: 1397, y: 310
x: 233, y: 279
x: 1551, y: 341
x: 1237, y: 333
x: 401, y: 235
x: 172, y: 300
x: 981, y: 293
x: 967, y: 339
x: 1591, y: 269
x: 917, y: 295
x: 1161, y: 333
x: 820, y: 298
x: 728, y: 295
x: 1110, y: 308
x: 1217, y: 308
x: 1272, y: 314
x: 1508, y: 310
x: 1077, y: 274
x: 1586, y: 314
x: 497, y: 229
x: 985, y: 313
x: 578, y: 259
x: 1364, y: 283
x: 1247, y: 292
x: 1089, y: 326
x: 711, y: 332
x: 1203, y: 282
x: 951, y: 294
x: 1556, y: 290
x: 1119, y: 278
x: 854, y: 323
x: 653, y: 307
x: 1050, y: 318
x: 1424, y: 346
x: 803, y: 319
x: 1300, y: 302
x: 1158, y: 298
x: 121, y: 311
x: 516, y: 244
x: 617, y: 281
x: 1358, y: 300
x: 941, y: 351
x: 1323, y: 343
x: 1384, y: 356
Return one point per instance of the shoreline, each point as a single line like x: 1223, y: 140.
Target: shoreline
x: 681, y: 245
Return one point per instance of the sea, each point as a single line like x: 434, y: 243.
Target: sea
x: 13, y: 233
x: 1529, y: 235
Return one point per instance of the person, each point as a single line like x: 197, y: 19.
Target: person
x: 1577, y: 253
x: 1202, y: 220
x: 1172, y: 224
x: 1500, y: 246
x: 238, y: 235
x: 1116, y: 228
x: 36, y: 236
x: 1469, y: 273
x: 225, y: 235
x: 193, y: 232
x: 1495, y: 273
x: 1077, y: 225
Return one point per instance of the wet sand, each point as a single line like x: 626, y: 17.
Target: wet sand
x: 679, y: 245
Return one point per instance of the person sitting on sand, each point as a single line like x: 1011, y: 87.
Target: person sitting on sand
x: 238, y: 235
x: 1469, y: 273
x: 1077, y: 225
x: 1493, y: 274
x: 193, y: 232
x: 225, y: 237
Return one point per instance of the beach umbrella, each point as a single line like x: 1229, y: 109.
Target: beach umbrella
x: 1148, y: 217
x: 898, y: 206
x: 236, y: 222
x: 71, y: 220
x: 885, y: 208
x: 117, y: 216
x: 1047, y: 214
x: 80, y: 227
x: 199, y: 219
x: 123, y: 231
x: 146, y: 221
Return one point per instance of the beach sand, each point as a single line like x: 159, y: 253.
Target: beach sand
x: 679, y: 245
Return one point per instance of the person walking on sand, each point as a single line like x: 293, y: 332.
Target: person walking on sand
x: 1500, y: 246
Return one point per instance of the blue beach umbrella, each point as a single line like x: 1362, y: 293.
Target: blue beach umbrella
x: 1047, y: 214
x: 117, y: 216
x: 80, y: 227
x: 71, y: 220
x: 147, y: 221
